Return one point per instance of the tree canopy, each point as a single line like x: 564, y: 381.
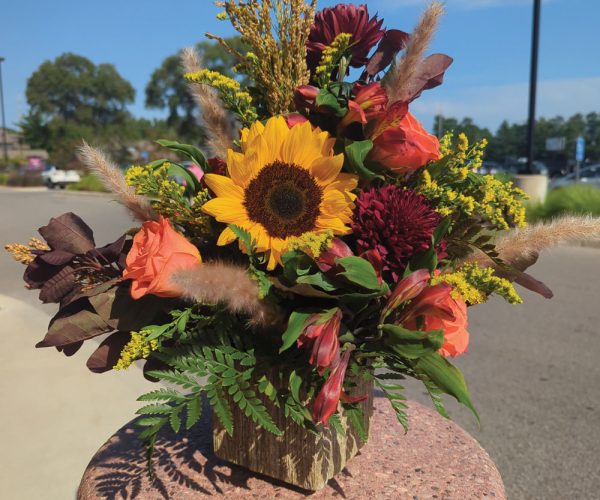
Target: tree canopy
x: 168, y: 90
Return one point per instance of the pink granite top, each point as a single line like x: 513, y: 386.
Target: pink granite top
x: 436, y: 459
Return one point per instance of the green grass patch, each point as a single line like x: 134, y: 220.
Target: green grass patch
x: 88, y: 183
x: 3, y: 179
x: 570, y: 200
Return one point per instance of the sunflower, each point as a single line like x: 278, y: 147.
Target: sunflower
x: 284, y: 183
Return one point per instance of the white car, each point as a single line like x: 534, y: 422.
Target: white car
x: 54, y: 177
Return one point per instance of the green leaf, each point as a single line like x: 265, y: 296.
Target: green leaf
x: 191, y: 152
x: 155, y: 409
x: 192, y: 184
x: 336, y: 423
x: 412, y: 344
x: 194, y: 411
x: 441, y: 231
x: 318, y: 280
x: 218, y: 401
x: 356, y: 154
x: 162, y: 395
x: 174, y: 420
x: 447, y: 378
x: 360, y: 272
x: 355, y: 416
x: 327, y: 99
x: 294, y: 329
x: 156, y: 331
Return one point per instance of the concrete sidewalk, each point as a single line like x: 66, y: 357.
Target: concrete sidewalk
x: 55, y: 413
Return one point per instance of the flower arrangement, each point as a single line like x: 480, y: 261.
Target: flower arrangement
x: 329, y: 240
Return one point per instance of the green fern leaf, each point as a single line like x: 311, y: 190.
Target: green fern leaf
x: 194, y: 411
x: 155, y: 409
x: 174, y: 419
x: 170, y: 395
x: 217, y: 400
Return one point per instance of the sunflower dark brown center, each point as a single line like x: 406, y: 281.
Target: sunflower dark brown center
x: 285, y: 199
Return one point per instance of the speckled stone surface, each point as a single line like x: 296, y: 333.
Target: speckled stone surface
x: 436, y: 459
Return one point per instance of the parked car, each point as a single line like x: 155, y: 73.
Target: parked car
x: 54, y: 177
x: 587, y: 175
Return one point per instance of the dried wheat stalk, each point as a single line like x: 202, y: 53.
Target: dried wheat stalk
x: 214, y: 116
x: 405, y: 69
x: 112, y: 178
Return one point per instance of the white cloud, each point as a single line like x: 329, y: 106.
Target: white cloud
x: 488, y: 106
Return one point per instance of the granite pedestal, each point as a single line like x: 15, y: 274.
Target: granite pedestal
x: 436, y: 459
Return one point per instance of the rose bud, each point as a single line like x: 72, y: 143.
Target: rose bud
x: 157, y: 252
x: 406, y: 147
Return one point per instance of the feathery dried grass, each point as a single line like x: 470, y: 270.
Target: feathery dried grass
x: 404, y: 70
x: 521, y: 247
x: 217, y: 282
x: 214, y: 116
x: 112, y: 178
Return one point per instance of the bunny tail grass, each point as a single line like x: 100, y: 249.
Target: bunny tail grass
x: 214, y: 116
x: 217, y: 282
x: 521, y: 247
x: 401, y: 75
x: 112, y: 178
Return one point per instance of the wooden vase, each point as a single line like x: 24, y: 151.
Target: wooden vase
x: 298, y: 457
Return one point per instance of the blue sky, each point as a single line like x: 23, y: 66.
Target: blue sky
x: 489, y: 40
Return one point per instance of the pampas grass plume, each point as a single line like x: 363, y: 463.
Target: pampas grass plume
x: 112, y: 178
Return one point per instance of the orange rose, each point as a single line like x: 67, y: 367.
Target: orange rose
x: 157, y: 252
x: 456, y: 335
x: 406, y: 147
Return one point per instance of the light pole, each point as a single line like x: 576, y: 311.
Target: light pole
x: 535, y: 41
x: 4, y: 141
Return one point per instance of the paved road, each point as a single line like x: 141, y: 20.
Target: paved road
x: 533, y: 369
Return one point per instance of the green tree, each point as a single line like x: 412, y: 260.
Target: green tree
x: 167, y: 89
x: 71, y: 98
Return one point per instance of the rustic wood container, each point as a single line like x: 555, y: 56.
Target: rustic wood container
x: 298, y: 457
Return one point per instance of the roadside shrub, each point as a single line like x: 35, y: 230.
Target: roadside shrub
x: 24, y: 180
x: 3, y: 179
x: 88, y: 183
x: 577, y: 199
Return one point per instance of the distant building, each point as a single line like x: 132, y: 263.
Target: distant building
x: 18, y: 150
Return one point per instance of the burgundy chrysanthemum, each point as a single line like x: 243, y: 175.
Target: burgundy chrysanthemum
x: 344, y: 18
x: 396, y: 222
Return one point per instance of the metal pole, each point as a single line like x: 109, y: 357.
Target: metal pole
x: 535, y: 41
x: 4, y: 140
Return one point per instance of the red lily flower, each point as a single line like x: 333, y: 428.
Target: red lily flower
x: 322, y: 339
x: 407, y: 289
x: 330, y: 394
x: 369, y: 102
x: 338, y: 249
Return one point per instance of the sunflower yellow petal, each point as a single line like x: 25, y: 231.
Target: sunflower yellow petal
x: 226, y: 237
x: 226, y: 210
x: 224, y: 186
x: 334, y: 203
x: 239, y: 168
x: 333, y: 223
x: 327, y: 168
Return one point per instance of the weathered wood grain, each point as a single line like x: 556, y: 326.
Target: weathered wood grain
x: 299, y: 457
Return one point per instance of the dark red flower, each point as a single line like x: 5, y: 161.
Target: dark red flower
x: 344, y: 18
x: 396, y: 222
